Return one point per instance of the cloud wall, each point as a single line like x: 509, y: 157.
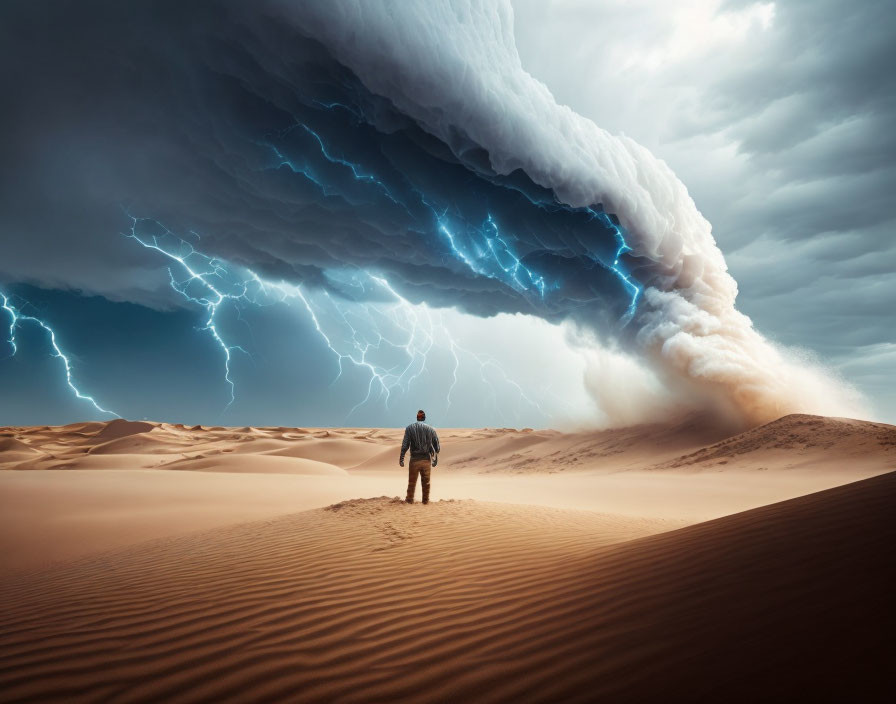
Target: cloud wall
x: 401, y: 139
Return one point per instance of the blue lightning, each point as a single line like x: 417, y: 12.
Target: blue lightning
x: 486, y: 362
x: 413, y: 335
x: 484, y: 249
x: 492, y: 255
x: 617, y: 267
x: 417, y: 325
x: 16, y: 319
x: 618, y: 235
x: 493, y: 245
x: 516, y: 268
x: 358, y: 173
x: 488, y: 252
x: 361, y: 350
x: 13, y: 321
x: 333, y: 105
x: 210, y: 298
x: 365, y: 335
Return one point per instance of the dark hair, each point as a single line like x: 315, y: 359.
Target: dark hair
x: 421, y: 414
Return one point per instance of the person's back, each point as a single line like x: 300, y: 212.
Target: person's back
x: 423, y: 442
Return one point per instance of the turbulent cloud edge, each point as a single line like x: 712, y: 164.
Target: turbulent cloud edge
x: 454, y: 68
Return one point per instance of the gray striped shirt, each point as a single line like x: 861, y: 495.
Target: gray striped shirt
x: 421, y: 439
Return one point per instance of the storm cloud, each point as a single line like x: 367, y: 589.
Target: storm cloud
x: 777, y: 117
x: 301, y: 139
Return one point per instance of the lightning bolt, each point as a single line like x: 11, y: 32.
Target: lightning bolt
x: 16, y: 319
x: 483, y: 249
x: 363, y: 334
x: 357, y: 171
x: 485, y: 362
x: 412, y: 330
x: 360, y: 350
x: 515, y: 268
x: 209, y: 275
x: 616, y: 267
x: 493, y: 255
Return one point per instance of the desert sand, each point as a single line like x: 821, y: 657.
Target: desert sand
x: 157, y: 562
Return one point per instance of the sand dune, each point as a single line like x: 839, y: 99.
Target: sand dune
x: 800, y: 441
x: 120, y: 428
x: 143, y: 443
x: 375, y: 600
x: 10, y: 445
x: 256, y: 463
x: 161, y: 562
x: 162, y: 444
x: 792, y: 441
x: 88, y: 490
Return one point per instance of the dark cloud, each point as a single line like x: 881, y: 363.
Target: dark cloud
x: 231, y: 125
x: 249, y: 140
x: 230, y: 130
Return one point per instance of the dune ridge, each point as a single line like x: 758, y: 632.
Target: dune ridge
x: 375, y: 600
x: 89, y: 487
x: 803, y: 440
x: 689, y: 444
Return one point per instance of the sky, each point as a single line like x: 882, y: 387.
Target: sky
x: 370, y: 256
x: 777, y: 116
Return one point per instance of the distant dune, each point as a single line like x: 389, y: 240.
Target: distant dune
x: 801, y: 440
x: 375, y: 600
x: 694, y: 444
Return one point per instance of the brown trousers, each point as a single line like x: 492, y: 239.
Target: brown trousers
x: 423, y: 467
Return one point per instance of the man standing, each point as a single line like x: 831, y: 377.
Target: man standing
x: 423, y: 442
